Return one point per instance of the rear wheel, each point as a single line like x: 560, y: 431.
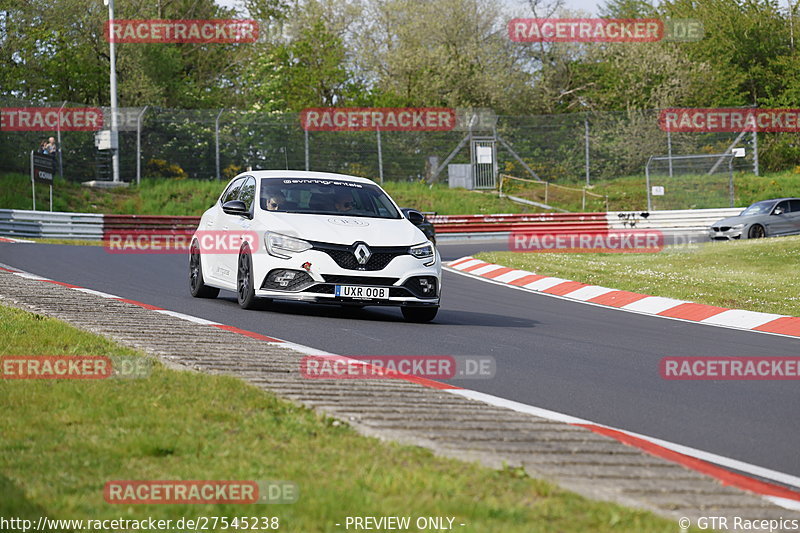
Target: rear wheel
x: 197, y: 286
x: 756, y: 232
x: 245, y: 292
x: 419, y: 314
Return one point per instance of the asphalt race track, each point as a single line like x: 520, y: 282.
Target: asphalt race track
x: 590, y: 362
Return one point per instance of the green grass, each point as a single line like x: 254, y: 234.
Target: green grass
x: 446, y: 201
x: 688, y: 192
x: 757, y: 275
x: 60, y: 441
x: 192, y: 197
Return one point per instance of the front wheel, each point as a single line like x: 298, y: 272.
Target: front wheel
x: 756, y: 232
x: 419, y: 314
x: 197, y: 285
x: 245, y: 292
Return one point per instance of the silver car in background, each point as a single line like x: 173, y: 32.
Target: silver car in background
x: 767, y: 218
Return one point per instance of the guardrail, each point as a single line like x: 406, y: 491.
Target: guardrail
x: 87, y: 226
x: 677, y: 220
x: 446, y: 224
x: 45, y: 224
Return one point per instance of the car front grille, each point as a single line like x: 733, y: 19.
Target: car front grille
x: 359, y: 280
x: 344, y: 256
x: 720, y: 228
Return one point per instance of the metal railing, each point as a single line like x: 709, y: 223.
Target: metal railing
x: 41, y: 224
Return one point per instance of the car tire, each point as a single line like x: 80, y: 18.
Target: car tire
x: 419, y: 314
x: 245, y: 291
x: 197, y: 285
x: 756, y: 231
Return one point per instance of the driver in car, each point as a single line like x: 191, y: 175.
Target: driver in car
x: 275, y: 200
x: 344, y: 202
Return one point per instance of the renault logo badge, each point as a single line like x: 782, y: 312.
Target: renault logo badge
x: 362, y: 254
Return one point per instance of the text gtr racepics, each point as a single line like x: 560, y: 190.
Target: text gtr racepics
x: 315, y: 237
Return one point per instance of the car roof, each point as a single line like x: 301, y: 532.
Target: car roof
x: 777, y: 199
x: 305, y: 174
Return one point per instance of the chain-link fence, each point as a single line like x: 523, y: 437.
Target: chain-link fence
x: 575, y: 148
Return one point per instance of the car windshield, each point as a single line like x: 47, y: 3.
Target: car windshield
x: 758, y: 208
x: 320, y: 196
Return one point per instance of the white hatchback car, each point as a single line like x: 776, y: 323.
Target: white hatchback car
x: 315, y: 237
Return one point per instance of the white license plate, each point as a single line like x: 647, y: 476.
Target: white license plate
x: 364, y: 293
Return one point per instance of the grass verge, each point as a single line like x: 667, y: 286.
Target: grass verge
x: 192, y: 197
x: 60, y: 441
x: 757, y: 275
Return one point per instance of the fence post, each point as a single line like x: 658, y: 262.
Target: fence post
x: 58, y: 132
x: 216, y: 139
x: 33, y: 184
x: 139, y: 145
x: 380, y: 155
x: 755, y: 152
x: 546, y: 187
x: 583, y: 203
x: 306, y: 139
x: 669, y: 151
x: 586, y: 136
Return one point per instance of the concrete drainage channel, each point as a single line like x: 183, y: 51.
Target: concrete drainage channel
x: 450, y: 425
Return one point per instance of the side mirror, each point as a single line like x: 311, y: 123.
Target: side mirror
x: 778, y: 211
x: 235, y: 207
x: 415, y: 217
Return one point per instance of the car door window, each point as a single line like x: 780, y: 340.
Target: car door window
x: 782, y: 207
x: 794, y: 207
x: 232, y: 191
x: 248, y: 192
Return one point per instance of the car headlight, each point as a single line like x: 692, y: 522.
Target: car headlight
x: 278, y: 245
x: 422, y: 251
x: 737, y: 226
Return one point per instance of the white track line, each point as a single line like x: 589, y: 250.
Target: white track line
x: 569, y: 298
x: 489, y: 399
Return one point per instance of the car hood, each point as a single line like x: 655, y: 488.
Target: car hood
x: 338, y: 229
x: 732, y: 221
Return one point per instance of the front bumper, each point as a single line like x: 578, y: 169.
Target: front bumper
x: 722, y: 234
x: 312, y: 276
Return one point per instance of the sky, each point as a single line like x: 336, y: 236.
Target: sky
x: 590, y: 6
